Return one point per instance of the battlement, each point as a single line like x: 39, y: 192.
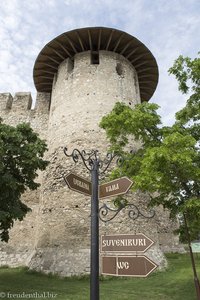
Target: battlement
x: 6, y: 100
x: 22, y: 102
x: 19, y: 109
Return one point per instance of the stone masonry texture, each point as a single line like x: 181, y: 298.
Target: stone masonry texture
x: 55, y: 236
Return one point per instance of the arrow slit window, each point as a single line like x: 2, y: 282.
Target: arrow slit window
x: 55, y: 79
x: 95, y: 57
x: 120, y: 70
x: 70, y: 65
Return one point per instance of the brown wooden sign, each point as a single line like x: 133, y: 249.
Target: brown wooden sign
x: 115, y: 187
x: 78, y: 184
x: 136, y: 266
x: 125, y: 243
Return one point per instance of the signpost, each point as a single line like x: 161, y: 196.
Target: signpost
x: 135, y: 266
x: 115, y: 187
x: 78, y: 184
x: 123, y: 266
x: 125, y: 243
x: 83, y: 186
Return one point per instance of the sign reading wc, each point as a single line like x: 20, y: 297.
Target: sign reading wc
x: 125, y: 243
x: 136, y: 266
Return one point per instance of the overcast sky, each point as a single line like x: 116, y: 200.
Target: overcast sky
x: 167, y: 27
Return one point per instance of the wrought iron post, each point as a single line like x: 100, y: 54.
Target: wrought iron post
x: 94, y: 254
x: 107, y: 213
x: 96, y: 166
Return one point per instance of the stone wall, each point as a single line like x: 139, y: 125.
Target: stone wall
x: 55, y: 236
x: 15, y: 110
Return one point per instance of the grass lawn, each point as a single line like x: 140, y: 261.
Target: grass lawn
x: 176, y: 283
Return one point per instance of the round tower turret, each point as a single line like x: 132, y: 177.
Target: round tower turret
x: 95, y: 39
x: 86, y: 71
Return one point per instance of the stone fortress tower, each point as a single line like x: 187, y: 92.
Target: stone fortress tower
x: 79, y: 76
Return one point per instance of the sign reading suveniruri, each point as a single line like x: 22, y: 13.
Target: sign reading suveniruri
x: 125, y: 243
x: 136, y: 266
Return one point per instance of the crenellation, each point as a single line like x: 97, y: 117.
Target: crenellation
x: 22, y: 101
x: 19, y: 110
x: 6, y: 100
x: 42, y: 103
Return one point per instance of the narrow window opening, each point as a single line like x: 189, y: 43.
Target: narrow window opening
x: 95, y: 58
x: 70, y: 65
x: 119, y: 69
x: 55, y: 79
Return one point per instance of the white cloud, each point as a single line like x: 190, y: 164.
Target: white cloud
x: 167, y: 28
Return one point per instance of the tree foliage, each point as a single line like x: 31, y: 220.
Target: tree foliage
x: 21, y: 155
x: 167, y: 163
